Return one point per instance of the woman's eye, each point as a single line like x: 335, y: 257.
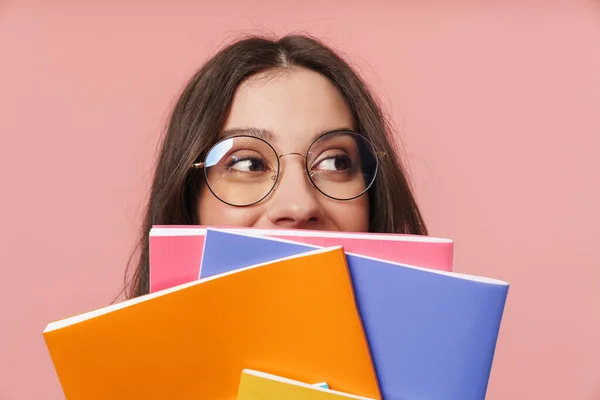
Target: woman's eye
x: 248, y: 165
x: 337, y: 163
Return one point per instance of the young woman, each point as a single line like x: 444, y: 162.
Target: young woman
x: 277, y: 134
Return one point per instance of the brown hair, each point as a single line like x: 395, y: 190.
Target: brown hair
x: 201, y: 110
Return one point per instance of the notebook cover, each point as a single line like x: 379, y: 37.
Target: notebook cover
x: 256, y: 385
x: 294, y: 317
x: 176, y: 251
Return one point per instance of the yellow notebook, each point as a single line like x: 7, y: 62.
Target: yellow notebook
x: 256, y: 385
x: 295, y: 317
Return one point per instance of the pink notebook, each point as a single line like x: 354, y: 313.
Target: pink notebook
x: 176, y: 251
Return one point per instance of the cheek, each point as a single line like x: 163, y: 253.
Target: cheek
x: 212, y: 211
x: 349, y: 216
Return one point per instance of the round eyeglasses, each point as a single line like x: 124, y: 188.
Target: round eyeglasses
x: 243, y: 170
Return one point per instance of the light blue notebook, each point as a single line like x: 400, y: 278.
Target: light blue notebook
x: 432, y: 334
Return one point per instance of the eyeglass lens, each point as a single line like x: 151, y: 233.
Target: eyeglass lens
x: 243, y: 170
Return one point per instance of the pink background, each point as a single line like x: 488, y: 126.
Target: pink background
x: 499, y: 108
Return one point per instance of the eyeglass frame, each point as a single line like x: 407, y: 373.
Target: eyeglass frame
x: 376, y: 155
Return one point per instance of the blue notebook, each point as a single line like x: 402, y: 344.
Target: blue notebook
x: 432, y: 334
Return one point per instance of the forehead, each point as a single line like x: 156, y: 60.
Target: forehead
x: 292, y: 107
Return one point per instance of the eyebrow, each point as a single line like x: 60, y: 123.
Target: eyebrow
x: 260, y: 133
x: 266, y: 134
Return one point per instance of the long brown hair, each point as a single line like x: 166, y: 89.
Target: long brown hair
x: 199, y: 115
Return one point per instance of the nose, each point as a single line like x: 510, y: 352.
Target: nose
x: 294, y: 203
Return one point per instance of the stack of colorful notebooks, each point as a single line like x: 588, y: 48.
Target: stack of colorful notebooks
x: 241, y: 313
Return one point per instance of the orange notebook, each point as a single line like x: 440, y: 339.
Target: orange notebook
x: 294, y: 317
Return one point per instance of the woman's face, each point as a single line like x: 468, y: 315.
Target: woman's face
x: 292, y: 108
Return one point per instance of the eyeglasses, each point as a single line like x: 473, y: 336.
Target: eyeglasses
x: 243, y: 170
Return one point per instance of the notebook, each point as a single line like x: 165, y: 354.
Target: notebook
x: 257, y: 385
x: 432, y: 334
x: 295, y: 317
x: 176, y: 251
